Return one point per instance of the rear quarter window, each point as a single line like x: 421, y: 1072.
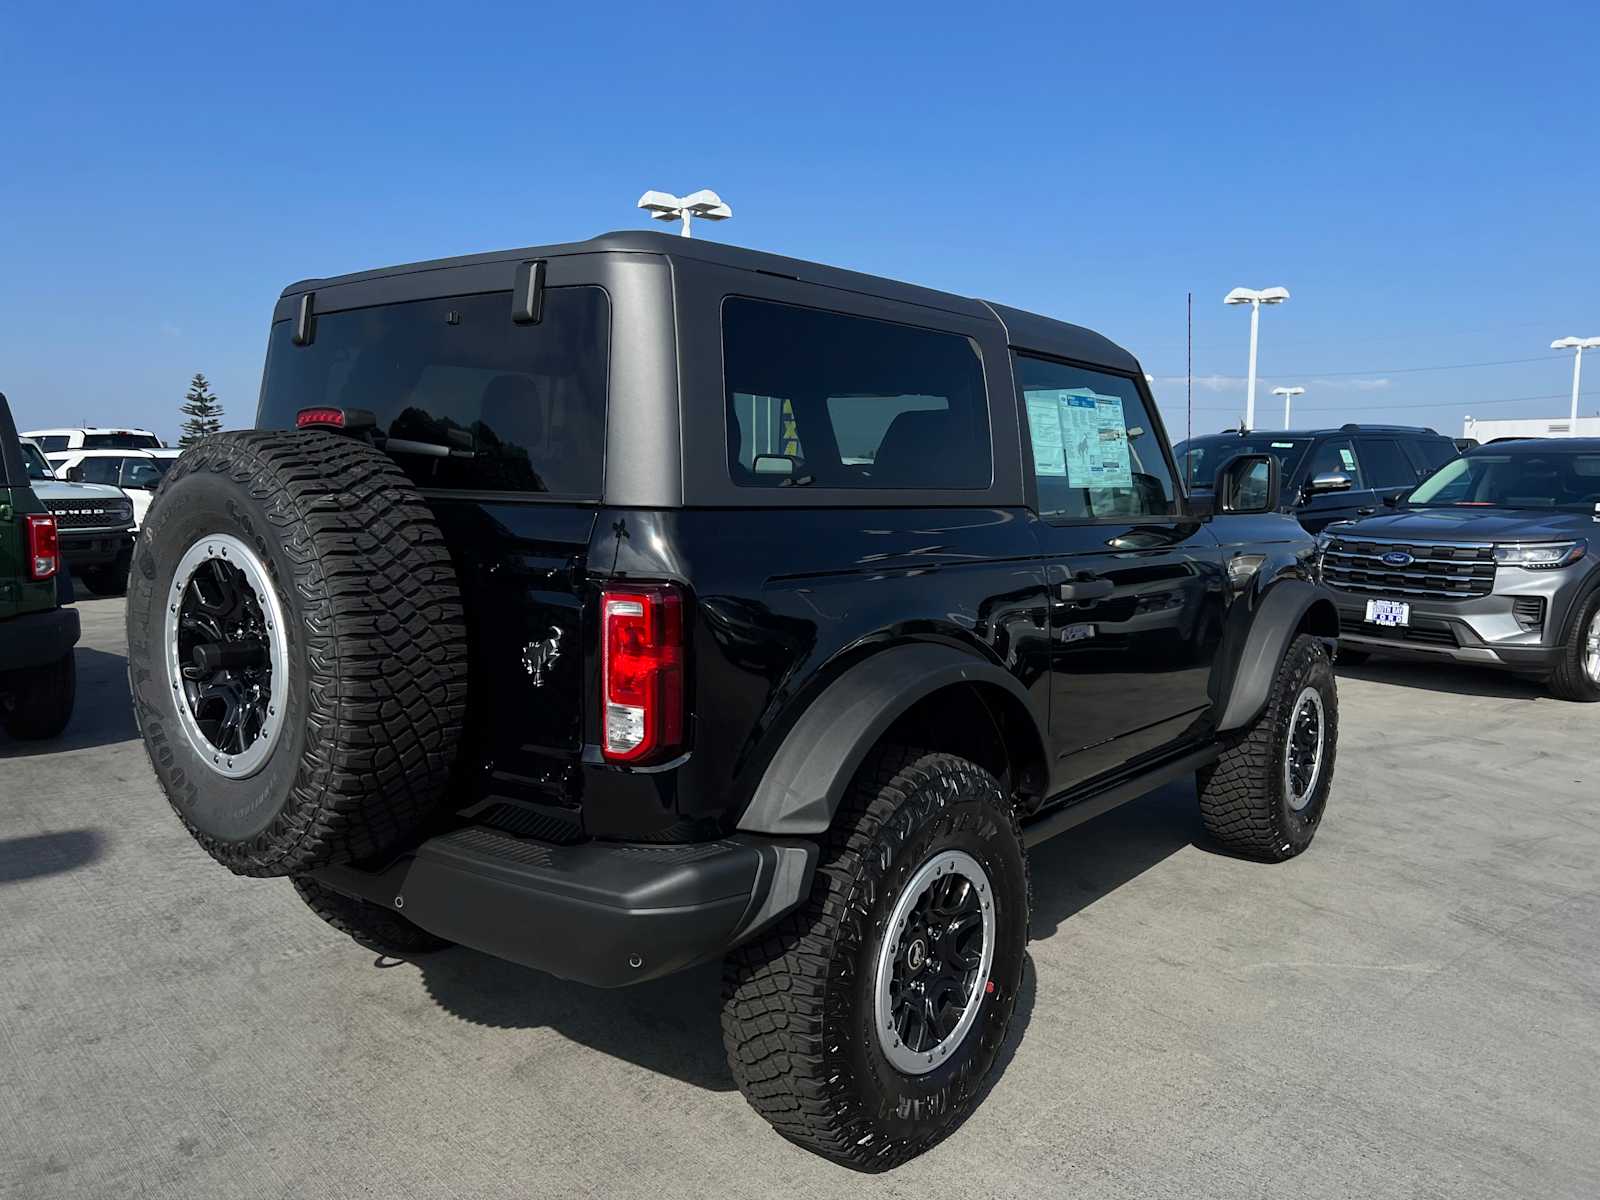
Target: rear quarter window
x: 840, y: 401
x: 466, y: 398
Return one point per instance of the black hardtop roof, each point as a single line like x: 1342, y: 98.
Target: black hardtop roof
x: 1329, y: 431
x: 1024, y: 329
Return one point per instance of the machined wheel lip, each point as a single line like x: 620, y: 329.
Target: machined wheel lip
x: 933, y: 872
x: 241, y: 557
x: 1306, y: 739
x: 1591, y: 648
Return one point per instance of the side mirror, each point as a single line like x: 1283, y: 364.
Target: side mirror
x: 773, y: 464
x: 1328, y: 481
x: 75, y: 475
x: 1248, y: 484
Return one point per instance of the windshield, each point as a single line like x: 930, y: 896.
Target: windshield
x: 1201, y: 458
x: 38, y: 466
x: 1548, y: 479
x: 121, y: 440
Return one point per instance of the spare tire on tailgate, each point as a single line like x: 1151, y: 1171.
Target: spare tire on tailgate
x: 296, y: 650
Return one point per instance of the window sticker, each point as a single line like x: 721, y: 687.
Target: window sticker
x: 1094, y: 436
x: 1044, y: 423
x: 1348, y: 457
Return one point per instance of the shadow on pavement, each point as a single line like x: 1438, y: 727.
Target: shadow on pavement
x: 1072, y: 871
x: 102, y: 715
x: 48, y: 854
x: 1447, y: 677
x: 665, y: 1025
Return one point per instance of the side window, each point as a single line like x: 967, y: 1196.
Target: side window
x: 1431, y: 454
x: 140, y: 473
x: 823, y: 399
x: 53, y: 444
x: 100, y: 470
x: 1095, y: 452
x: 1386, y: 464
x: 1336, y: 455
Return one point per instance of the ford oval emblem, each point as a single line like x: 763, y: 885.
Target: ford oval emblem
x: 1398, y: 558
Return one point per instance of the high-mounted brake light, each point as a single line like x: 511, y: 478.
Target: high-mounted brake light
x: 641, y: 671
x: 319, y: 416
x: 44, y: 546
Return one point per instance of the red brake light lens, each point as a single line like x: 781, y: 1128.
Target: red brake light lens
x: 319, y: 416
x: 641, y: 671
x: 44, y: 546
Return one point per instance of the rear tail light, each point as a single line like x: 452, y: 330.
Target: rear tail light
x: 44, y: 546
x: 642, y: 671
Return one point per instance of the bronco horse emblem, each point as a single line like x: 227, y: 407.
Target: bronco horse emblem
x: 538, y: 657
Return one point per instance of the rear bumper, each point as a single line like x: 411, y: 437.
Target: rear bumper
x: 601, y: 913
x: 37, y: 638
x: 94, y: 547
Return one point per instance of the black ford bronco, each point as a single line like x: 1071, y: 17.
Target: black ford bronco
x: 617, y: 606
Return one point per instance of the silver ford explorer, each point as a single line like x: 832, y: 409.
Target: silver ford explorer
x: 1493, y: 559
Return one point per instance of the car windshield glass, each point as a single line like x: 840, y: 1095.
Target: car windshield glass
x: 120, y: 441
x: 1547, y: 479
x: 1201, y: 458
x: 38, y: 466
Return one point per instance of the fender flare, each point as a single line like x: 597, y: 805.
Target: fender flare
x: 805, y: 782
x: 1279, y: 613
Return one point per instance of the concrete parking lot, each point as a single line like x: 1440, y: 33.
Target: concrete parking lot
x: 1410, y: 1009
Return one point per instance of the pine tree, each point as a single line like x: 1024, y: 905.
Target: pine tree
x: 202, y: 412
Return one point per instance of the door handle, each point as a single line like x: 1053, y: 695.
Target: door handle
x: 1365, y: 512
x: 1086, y: 589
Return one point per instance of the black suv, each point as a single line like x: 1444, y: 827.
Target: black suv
x: 618, y: 606
x: 1329, y: 474
x: 38, y: 675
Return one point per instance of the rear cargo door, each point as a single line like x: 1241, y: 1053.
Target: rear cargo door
x: 500, y: 422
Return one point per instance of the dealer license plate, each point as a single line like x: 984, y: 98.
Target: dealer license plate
x: 1388, y: 612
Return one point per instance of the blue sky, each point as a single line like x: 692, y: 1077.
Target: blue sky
x: 1425, y: 178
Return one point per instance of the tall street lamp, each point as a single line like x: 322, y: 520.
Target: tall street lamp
x: 1255, y: 299
x: 1577, y: 346
x: 664, y: 206
x: 1288, y: 395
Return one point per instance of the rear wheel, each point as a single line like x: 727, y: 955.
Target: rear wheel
x: 40, y: 699
x: 1265, y: 796
x: 864, y: 1025
x: 1577, y: 673
x: 373, y: 926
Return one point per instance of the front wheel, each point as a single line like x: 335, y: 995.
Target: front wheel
x: 1265, y: 796
x: 864, y: 1025
x: 1577, y: 673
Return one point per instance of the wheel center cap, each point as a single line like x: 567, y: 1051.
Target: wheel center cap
x: 916, y: 955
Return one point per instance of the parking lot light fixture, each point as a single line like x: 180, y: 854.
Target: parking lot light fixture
x: 1577, y: 345
x: 664, y: 206
x: 1255, y: 299
x: 1288, y: 394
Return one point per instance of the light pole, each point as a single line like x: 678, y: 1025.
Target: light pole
x: 1255, y: 299
x: 1577, y: 346
x: 664, y: 206
x: 1288, y: 395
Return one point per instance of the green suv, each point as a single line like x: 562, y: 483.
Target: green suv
x: 38, y: 679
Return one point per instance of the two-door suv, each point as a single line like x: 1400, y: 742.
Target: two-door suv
x: 618, y: 606
x: 1488, y: 561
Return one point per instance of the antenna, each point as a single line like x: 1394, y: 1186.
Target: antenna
x: 664, y: 206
